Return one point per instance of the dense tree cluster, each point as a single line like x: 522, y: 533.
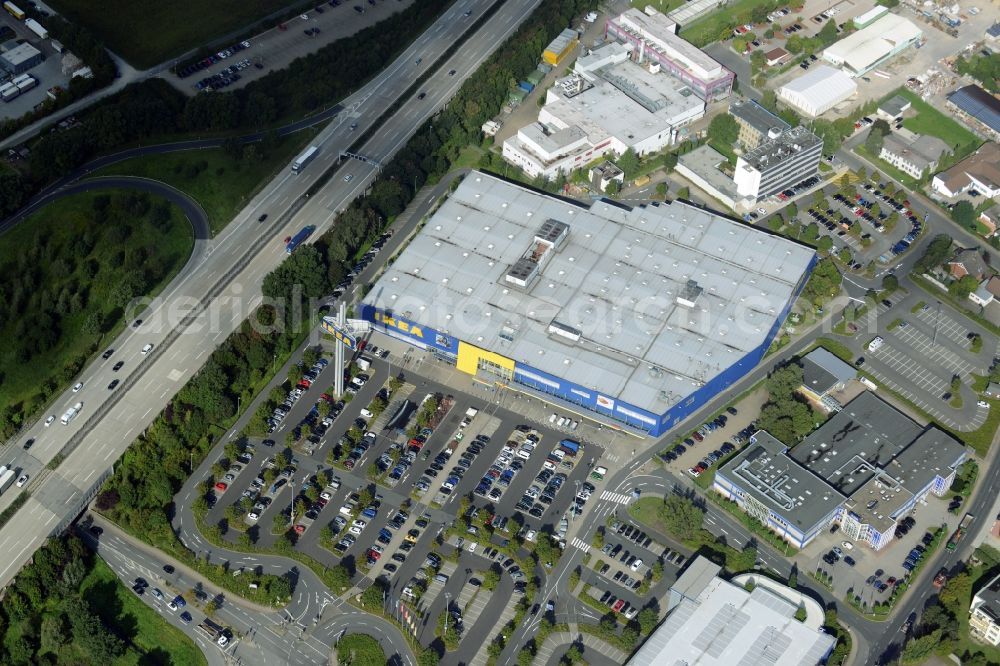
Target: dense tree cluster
x: 44, y: 619
x: 937, y: 251
x: 72, y: 279
x: 824, y: 281
x: 985, y: 69
x: 785, y: 414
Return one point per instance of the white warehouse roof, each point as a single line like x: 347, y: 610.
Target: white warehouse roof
x: 863, y: 49
x: 619, y: 279
x: 822, y: 88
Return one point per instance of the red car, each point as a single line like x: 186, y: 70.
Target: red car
x: 287, y: 240
x: 304, y: 383
x: 697, y: 436
x: 221, y: 487
x: 300, y: 528
x: 374, y: 555
x: 618, y: 605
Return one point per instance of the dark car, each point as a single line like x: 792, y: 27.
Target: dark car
x: 28, y: 443
x: 106, y: 355
x: 118, y: 366
x: 113, y: 384
x: 262, y: 217
x: 422, y: 95
x: 168, y: 568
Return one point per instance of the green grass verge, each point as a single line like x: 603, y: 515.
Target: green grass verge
x: 662, y: 6
x: 156, y: 640
x: 359, y: 649
x: 709, y: 28
x: 147, y: 32
x: 219, y: 182
x: 66, y: 264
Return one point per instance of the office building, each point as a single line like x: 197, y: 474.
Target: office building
x: 984, y: 614
x: 633, y: 317
x: 913, y: 154
x: 756, y: 123
x: 778, y: 163
x: 654, y: 38
x: 864, y: 469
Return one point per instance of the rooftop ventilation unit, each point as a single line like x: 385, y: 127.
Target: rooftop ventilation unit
x: 689, y: 294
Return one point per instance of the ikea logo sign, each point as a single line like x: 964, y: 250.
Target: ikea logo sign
x: 399, y: 325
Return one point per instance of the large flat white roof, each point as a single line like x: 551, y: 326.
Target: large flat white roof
x: 660, y: 32
x: 615, y: 279
x: 860, y: 50
x: 820, y: 87
x: 728, y: 626
x: 640, y: 106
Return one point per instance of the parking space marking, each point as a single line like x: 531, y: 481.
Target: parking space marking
x: 965, y: 426
x: 945, y: 324
x: 609, y: 496
x: 911, y: 369
x: 928, y: 350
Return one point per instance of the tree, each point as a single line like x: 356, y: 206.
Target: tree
x: 682, y: 517
x: 648, y: 618
x: 723, y: 129
x: 920, y: 649
x: 823, y: 283
x: 757, y: 60
x: 824, y: 244
x: 683, y: 193
x: 54, y: 633
x: 962, y: 287
x: 964, y: 214
x: 890, y: 282
x: 629, y: 163
x: 936, y: 252
x: 956, y: 592
x: 428, y: 657
x: 491, y: 579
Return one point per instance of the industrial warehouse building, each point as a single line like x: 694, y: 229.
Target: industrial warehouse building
x: 818, y: 90
x: 865, y: 468
x: 606, y: 106
x: 715, y: 622
x: 21, y: 58
x: 637, y: 316
x: 881, y: 39
x: 655, y: 39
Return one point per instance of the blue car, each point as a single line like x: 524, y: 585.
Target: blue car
x: 186, y: 617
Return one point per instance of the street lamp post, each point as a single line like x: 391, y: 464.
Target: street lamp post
x: 291, y: 502
x: 447, y: 609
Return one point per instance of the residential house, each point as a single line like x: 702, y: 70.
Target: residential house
x: 982, y: 296
x: 990, y: 219
x: 979, y: 171
x: 984, y: 614
x: 968, y: 262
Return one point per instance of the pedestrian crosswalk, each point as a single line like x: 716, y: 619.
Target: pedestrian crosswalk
x: 577, y: 542
x: 619, y: 498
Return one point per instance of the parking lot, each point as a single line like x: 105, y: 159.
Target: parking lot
x: 871, y: 574
x: 923, y: 346
x: 48, y: 73
x: 278, y: 47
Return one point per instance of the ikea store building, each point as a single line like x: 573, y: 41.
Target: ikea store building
x: 632, y: 316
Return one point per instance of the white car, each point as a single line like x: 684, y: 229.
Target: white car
x: 981, y: 403
x: 366, y: 413
x: 23, y: 479
x: 847, y: 545
x: 49, y: 421
x: 762, y: 211
x: 472, y: 547
x: 635, y: 565
x: 148, y: 348
x: 77, y: 387
x: 253, y: 515
x: 349, y: 177
x: 325, y: 495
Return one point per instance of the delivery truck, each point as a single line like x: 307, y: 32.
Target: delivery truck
x: 6, y: 479
x: 304, y: 159
x: 37, y: 28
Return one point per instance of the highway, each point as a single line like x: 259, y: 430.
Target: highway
x: 221, y: 285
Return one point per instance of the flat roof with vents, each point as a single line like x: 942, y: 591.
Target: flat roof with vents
x: 724, y: 625
x: 611, y: 286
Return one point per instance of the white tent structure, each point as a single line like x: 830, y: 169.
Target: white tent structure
x: 817, y: 91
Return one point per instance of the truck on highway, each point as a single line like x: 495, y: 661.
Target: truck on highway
x: 959, y: 532
x: 71, y: 413
x: 299, y: 238
x: 14, y: 10
x: 304, y: 159
x: 6, y: 479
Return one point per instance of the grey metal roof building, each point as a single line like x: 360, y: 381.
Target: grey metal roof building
x: 865, y: 467
x: 822, y: 371
x: 979, y: 104
x: 721, y: 624
x: 21, y: 58
x: 638, y: 314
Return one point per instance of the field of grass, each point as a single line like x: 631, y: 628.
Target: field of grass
x: 663, y: 6
x: 151, y: 637
x: 148, y: 32
x: 934, y: 123
x: 219, y: 182
x: 69, y: 271
x: 709, y: 28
